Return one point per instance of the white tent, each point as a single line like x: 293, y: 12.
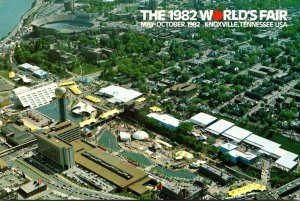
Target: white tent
x: 140, y: 135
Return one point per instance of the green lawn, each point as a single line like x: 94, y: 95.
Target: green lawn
x: 4, y: 74
x: 4, y: 102
x: 287, y: 144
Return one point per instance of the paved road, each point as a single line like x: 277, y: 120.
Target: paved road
x: 265, y: 173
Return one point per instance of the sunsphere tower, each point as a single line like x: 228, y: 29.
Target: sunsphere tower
x: 60, y: 94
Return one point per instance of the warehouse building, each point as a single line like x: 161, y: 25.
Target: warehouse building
x: 215, y: 173
x: 236, y: 133
x: 117, y: 94
x: 29, y: 67
x: 288, y: 161
x: 266, y: 146
x: 219, y: 127
x: 246, y: 158
x: 285, y: 160
x: 202, y: 119
x: 165, y: 120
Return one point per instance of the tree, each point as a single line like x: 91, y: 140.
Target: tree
x: 184, y: 127
x: 225, y: 157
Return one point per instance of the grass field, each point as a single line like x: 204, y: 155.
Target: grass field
x: 4, y: 74
x: 287, y: 144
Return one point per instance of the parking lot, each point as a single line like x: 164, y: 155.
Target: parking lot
x: 5, y: 86
x: 10, y: 179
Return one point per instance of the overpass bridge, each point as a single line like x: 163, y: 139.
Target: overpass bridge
x: 285, y: 189
x: 7, y: 151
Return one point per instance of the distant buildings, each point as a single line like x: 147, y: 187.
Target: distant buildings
x: 35, y: 70
x: 183, y: 89
x: 262, y: 71
x: 239, y: 36
x: 96, y: 54
x: 262, y: 38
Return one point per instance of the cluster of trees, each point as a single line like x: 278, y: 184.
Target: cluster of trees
x: 270, y: 4
x: 279, y: 177
x: 95, y: 6
x: 5, y: 63
x: 132, y: 42
x: 237, y: 110
x: 240, y: 79
x: 178, y: 52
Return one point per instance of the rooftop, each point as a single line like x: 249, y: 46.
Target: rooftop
x: 36, y: 96
x: 110, y: 167
x: 202, y: 119
x: 216, y: 171
x: 119, y: 94
x: 31, y: 186
x: 287, y: 160
x: 266, y: 145
x: 219, y: 127
x: 229, y: 146
x: 236, y: 133
x: 165, y: 118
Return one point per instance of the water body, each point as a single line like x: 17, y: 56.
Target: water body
x: 11, y: 11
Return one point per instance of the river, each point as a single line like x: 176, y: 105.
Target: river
x: 11, y: 11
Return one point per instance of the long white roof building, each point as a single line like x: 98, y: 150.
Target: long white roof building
x: 165, y: 119
x: 267, y: 146
x: 236, y: 133
x: 36, y: 96
x: 219, y: 127
x: 119, y: 94
x: 202, y: 119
